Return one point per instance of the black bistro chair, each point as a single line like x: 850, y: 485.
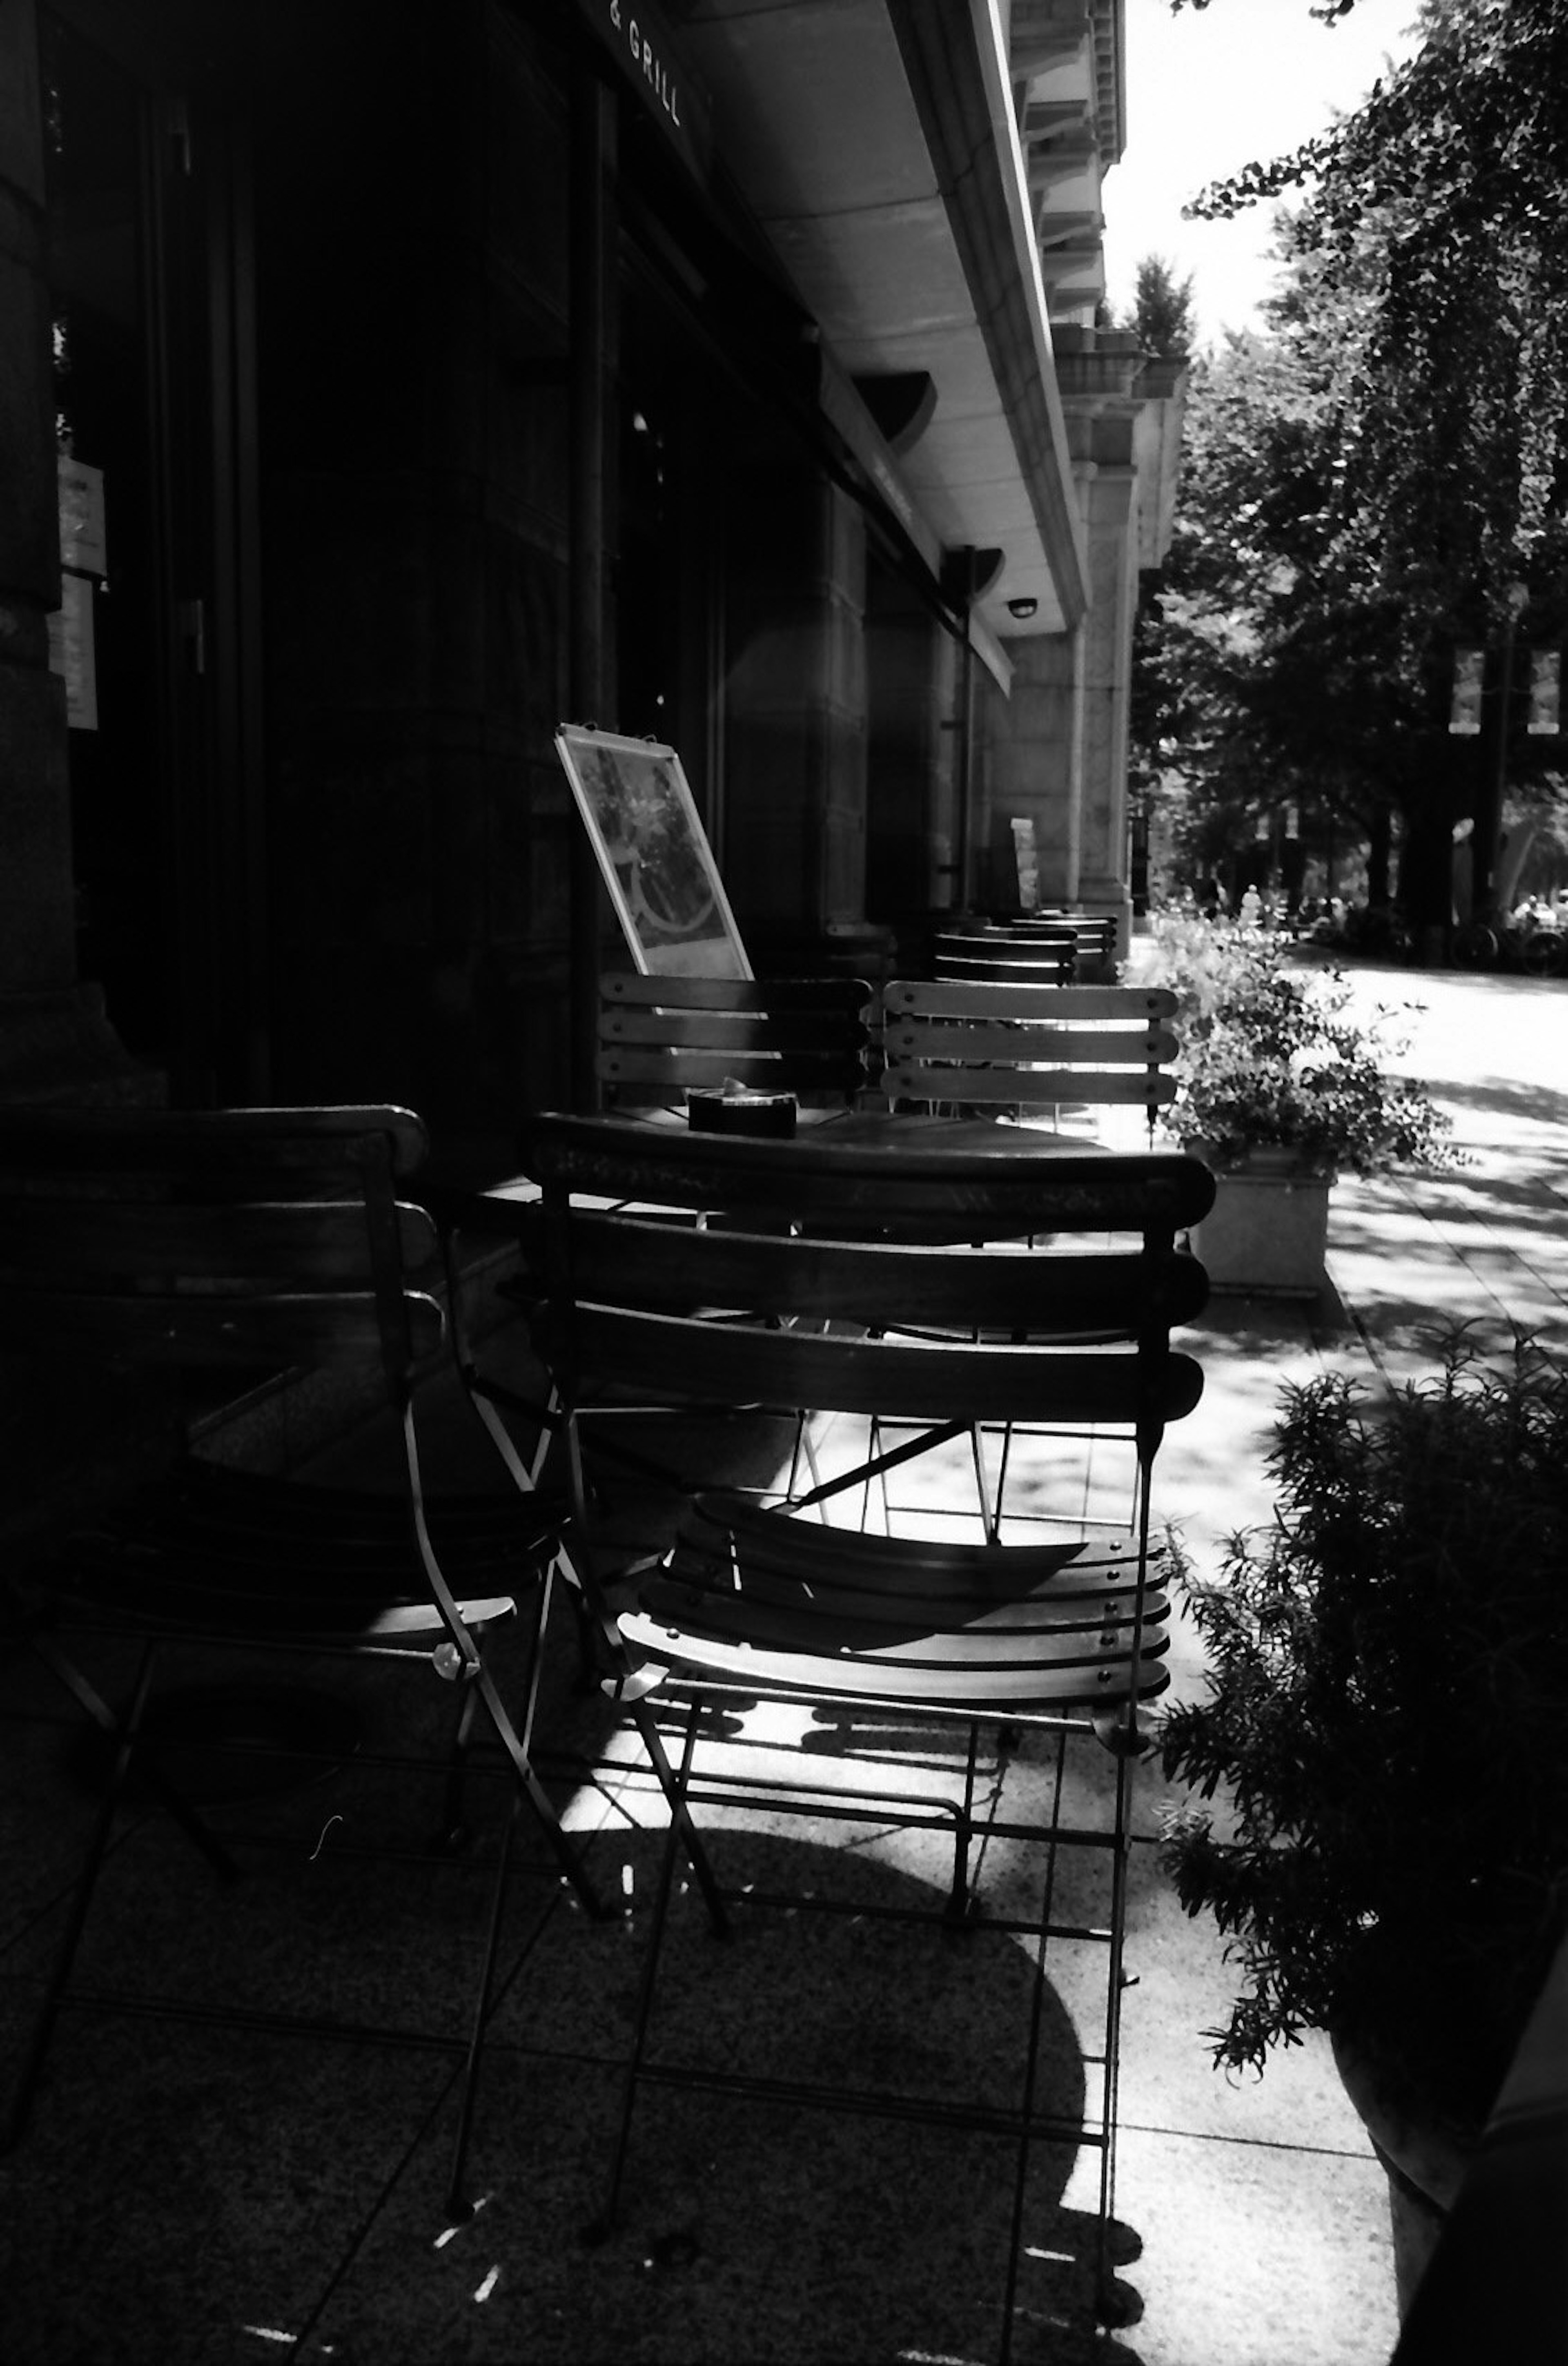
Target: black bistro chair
x: 660, y: 1038
x: 853, y: 1277
x: 211, y: 1250
x: 1043, y: 1054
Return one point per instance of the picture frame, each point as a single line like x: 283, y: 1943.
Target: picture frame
x: 653, y: 854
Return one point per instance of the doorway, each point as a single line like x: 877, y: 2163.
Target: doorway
x: 146, y: 241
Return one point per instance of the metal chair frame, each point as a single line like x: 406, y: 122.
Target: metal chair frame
x: 1028, y: 1053
x: 155, y: 1244
x: 780, y: 1601
x: 1027, y: 1049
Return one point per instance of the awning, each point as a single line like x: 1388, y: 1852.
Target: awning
x: 876, y: 142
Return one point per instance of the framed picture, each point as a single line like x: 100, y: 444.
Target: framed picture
x: 654, y: 853
x: 1026, y: 862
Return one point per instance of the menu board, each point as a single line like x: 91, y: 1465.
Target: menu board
x: 654, y: 854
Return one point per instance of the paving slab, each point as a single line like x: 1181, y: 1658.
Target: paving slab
x: 211, y: 2194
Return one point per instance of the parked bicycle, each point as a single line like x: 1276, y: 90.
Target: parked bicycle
x: 1539, y: 948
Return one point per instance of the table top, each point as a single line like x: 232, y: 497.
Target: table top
x: 940, y: 1152
x: 933, y: 1178
x: 996, y: 1138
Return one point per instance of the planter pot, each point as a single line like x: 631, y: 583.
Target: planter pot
x: 1423, y: 2161
x: 1267, y: 1234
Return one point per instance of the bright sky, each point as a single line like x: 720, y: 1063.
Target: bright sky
x: 1208, y: 92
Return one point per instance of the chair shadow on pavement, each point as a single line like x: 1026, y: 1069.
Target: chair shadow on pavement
x: 750, y: 2229
x: 840, y: 2230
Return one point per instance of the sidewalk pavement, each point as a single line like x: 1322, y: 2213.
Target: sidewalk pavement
x: 199, y: 2192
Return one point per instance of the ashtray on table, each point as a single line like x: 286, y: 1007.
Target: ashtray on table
x: 720, y: 1110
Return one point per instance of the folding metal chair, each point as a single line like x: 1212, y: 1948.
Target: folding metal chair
x: 1046, y: 957
x: 1030, y: 1051
x: 230, y: 1246
x: 660, y: 1037
x: 1083, y: 1057
x: 784, y: 1597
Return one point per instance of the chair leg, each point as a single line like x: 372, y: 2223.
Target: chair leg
x: 673, y: 1783
x: 674, y: 1838
x: 1106, y: 2308
x: 804, y: 1449
x: 194, y: 1827
x: 485, y: 1398
x: 585, y: 1626
x: 990, y: 1511
x: 566, y: 1856
x: 449, y: 1829
x: 956, y: 1911
x: 516, y: 1744
x: 458, y: 2206
x: 124, y: 1730
x: 1002, y: 1470
x: 1038, y: 1988
x: 1031, y: 2067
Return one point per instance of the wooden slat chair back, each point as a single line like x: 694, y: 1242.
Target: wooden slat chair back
x: 1094, y: 935
x: 660, y: 1037
x: 1046, y: 928
x: 224, y: 1247
x: 993, y: 956
x: 790, y: 1592
x: 241, y: 1237
x: 1090, y: 937
x: 1030, y: 1051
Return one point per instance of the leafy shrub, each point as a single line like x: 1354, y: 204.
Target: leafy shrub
x: 1388, y: 1699
x: 1270, y: 1055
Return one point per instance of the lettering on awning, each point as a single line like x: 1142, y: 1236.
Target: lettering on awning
x: 645, y: 49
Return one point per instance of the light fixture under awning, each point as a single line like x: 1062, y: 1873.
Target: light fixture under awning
x: 877, y: 149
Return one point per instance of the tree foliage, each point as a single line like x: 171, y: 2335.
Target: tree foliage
x: 1386, y: 1707
x: 1162, y: 310
x: 1442, y: 199
x: 1274, y: 1057
x: 1385, y: 473
x: 1271, y: 664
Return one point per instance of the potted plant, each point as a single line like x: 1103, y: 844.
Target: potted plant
x: 1281, y: 1086
x: 1386, y: 1704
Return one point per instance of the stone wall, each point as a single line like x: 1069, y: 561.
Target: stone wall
x: 416, y: 260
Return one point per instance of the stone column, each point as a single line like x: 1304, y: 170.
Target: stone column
x: 1036, y: 758
x: 794, y: 854
x: 1106, y: 491
x: 1099, y: 372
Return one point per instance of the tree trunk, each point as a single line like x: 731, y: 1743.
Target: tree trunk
x: 1425, y: 868
x: 1378, y: 839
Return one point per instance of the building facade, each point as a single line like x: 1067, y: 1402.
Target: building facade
x: 382, y: 385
